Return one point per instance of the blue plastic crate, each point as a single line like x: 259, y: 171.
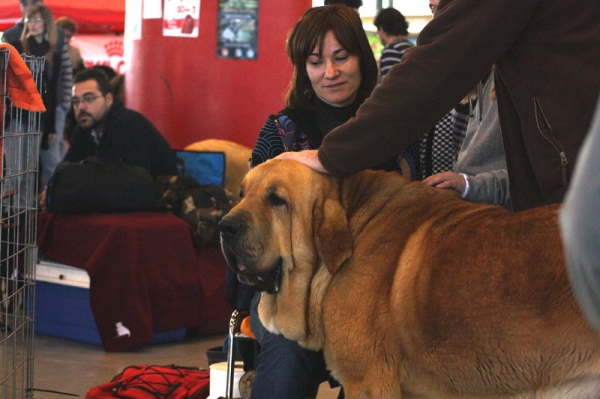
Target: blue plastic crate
x: 64, y: 311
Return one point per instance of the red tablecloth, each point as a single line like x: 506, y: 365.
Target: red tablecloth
x: 147, y: 271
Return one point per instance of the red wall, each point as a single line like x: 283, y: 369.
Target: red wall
x: 191, y: 95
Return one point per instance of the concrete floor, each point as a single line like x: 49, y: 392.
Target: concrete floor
x: 73, y: 368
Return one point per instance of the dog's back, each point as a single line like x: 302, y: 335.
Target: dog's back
x: 460, y: 300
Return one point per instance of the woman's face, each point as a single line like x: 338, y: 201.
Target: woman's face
x: 335, y: 78
x: 36, y: 27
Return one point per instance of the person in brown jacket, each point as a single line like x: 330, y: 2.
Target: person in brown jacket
x: 547, y: 82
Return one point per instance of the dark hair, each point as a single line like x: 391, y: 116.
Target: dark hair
x: 392, y: 22
x: 94, y: 74
x: 349, y: 3
x: 107, y: 69
x: 67, y: 24
x: 310, y: 31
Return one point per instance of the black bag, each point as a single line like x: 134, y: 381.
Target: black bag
x: 97, y: 185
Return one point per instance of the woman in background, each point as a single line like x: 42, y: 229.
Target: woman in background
x: 39, y: 39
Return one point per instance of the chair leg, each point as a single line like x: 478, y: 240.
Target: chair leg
x: 231, y: 355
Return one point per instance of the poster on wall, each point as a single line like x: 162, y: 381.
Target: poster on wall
x: 237, y: 35
x: 181, y: 18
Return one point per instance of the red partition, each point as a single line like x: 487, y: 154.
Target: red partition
x: 191, y: 95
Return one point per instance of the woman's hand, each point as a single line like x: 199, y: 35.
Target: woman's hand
x: 450, y: 180
x: 309, y: 158
x: 43, y: 201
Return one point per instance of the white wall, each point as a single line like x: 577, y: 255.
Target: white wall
x: 416, y: 11
x: 407, y: 7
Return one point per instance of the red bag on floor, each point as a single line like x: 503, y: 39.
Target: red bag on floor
x: 153, y: 382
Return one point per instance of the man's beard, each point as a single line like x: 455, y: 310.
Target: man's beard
x: 90, y: 122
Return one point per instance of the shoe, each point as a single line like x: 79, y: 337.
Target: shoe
x: 246, y: 384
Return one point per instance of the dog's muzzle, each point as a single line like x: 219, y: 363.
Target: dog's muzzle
x: 232, y: 231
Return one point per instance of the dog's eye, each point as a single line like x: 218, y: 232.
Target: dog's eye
x: 275, y: 200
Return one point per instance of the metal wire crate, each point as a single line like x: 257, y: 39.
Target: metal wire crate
x: 20, y: 142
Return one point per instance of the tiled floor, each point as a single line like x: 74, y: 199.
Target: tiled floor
x: 73, y: 368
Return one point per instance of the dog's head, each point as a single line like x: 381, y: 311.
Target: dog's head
x: 288, y: 224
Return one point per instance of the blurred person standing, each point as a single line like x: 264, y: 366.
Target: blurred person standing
x: 392, y: 30
x: 39, y: 39
x: 53, y: 148
x: 70, y: 28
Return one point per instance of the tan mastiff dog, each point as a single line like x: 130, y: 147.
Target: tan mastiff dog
x: 410, y: 291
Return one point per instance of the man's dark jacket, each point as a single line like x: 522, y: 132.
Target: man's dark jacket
x: 128, y: 136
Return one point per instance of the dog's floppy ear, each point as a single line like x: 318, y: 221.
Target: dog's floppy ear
x: 332, y: 234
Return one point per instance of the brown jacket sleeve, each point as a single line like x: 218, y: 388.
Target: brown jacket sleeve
x: 455, y: 50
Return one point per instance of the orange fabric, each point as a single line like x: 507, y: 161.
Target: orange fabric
x: 246, y: 329
x: 22, y: 90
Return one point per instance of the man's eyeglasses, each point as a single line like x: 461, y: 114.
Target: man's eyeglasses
x: 34, y: 20
x: 87, y: 100
x: 433, y: 7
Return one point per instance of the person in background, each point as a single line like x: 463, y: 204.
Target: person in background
x: 70, y: 121
x: 53, y: 149
x: 39, y: 39
x: 109, y: 130
x: 13, y: 33
x: 392, y: 30
x: 547, y: 82
x: 433, y: 4
x: 479, y: 174
x: 580, y: 225
x: 354, y: 4
x: 437, y: 150
x: 118, y: 86
x: 70, y: 28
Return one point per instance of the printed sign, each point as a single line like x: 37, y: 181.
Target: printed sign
x: 237, y: 35
x: 181, y: 18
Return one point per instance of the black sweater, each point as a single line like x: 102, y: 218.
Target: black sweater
x: 128, y: 136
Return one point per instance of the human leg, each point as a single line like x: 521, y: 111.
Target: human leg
x: 56, y: 149
x: 285, y: 370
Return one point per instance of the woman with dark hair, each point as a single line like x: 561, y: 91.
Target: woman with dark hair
x: 334, y: 71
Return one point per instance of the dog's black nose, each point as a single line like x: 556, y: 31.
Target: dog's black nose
x: 229, y: 227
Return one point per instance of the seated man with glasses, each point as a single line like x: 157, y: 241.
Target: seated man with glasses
x: 105, y: 128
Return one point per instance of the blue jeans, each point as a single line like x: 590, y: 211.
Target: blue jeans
x: 285, y: 370
x: 56, y: 150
